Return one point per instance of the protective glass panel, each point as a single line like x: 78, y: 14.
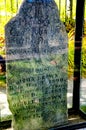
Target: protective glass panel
x: 37, y: 62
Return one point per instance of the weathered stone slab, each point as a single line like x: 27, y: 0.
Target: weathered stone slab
x: 36, y: 50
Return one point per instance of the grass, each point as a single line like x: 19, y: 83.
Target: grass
x: 2, y: 80
x: 83, y: 108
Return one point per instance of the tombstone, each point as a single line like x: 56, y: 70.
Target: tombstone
x: 36, y: 63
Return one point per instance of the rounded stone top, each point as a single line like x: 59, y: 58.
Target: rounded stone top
x: 35, y: 30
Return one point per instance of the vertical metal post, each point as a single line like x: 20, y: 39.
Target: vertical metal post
x: 77, y: 55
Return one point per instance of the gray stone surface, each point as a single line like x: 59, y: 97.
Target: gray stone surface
x: 36, y: 50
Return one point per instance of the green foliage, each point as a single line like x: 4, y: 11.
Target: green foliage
x: 70, y: 55
x: 6, y: 118
x: 83, y: 108
x: 84, y: 30
x: 69, y: 24
x: 83, y: 58
x: 71, y: 36
x: 2, y: 80
x: 9, y: 6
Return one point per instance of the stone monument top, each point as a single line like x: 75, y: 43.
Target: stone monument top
x: 36, y: 30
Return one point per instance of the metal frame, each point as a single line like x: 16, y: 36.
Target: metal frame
x: 77, y: 55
